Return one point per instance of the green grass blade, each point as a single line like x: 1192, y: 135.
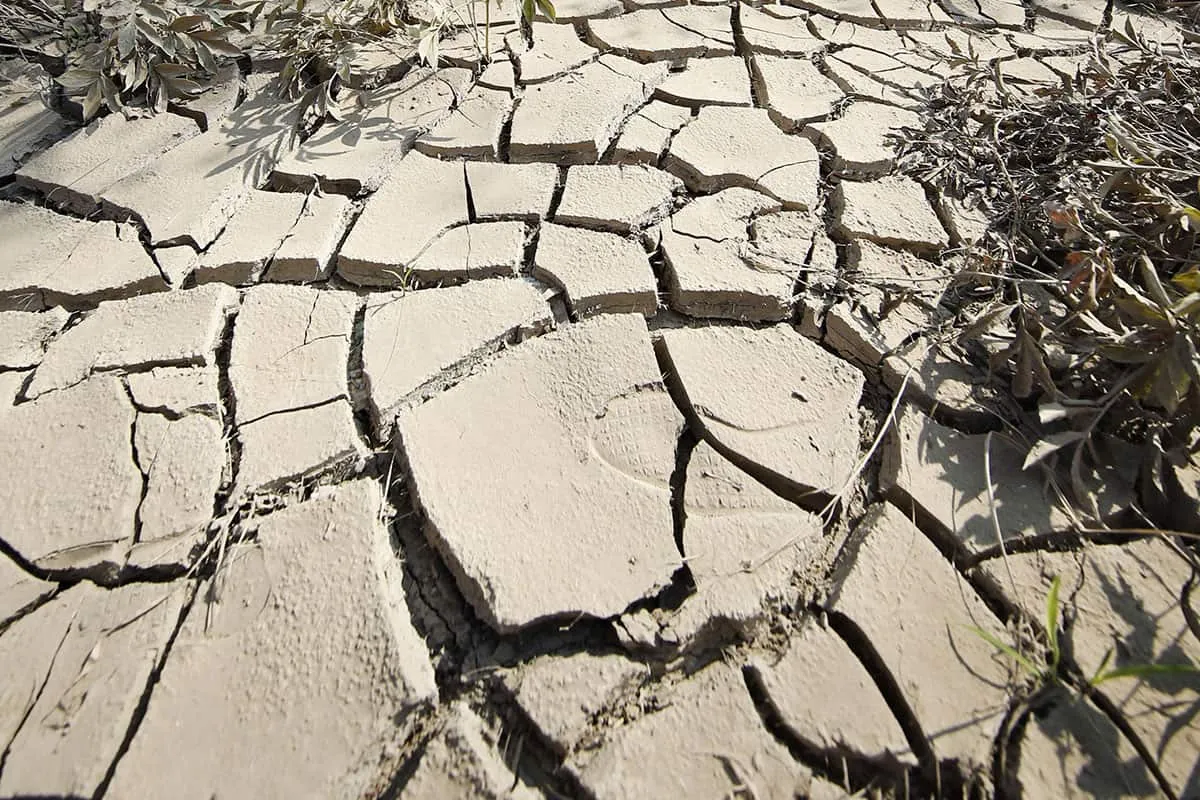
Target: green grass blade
x: 1100, y: 669
x: 1052, y: 622
x: 1007, y: 649
x: 1146, y: 671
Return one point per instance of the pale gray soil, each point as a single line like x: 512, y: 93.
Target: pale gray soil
x: 490, y: 443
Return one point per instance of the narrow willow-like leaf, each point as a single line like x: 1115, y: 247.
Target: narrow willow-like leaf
x: 1052, y: 622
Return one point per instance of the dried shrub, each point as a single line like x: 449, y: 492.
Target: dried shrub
x: 1087, y: 286
x: 116, y: 53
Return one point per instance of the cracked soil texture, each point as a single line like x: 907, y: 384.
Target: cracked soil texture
x: 542, y: 452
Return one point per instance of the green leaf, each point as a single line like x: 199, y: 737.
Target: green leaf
x: 1145, y: 671
x: 1187, y: 306
x: 547, y: 8
x: 127, y: 38
x: 78, y: 79
x: 1188, y: 280
x: 1007, y: 649
x: 171, y: 70
x: 527, y: 9
x: 186, y: 22
x: 206, y: 59
x: 1103, y: 666
x: 155, y: 11
x: 1052, y: 622
x: 1126, y: 354
x: 1152, y: 283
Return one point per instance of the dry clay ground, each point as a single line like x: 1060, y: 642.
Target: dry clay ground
x: 476, y: 446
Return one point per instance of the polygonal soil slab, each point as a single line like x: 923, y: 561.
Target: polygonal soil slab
x: 794, y: 90
x: 473, y: 128
x: 291, y: 345
x: 667, y: 34
x: 773, y: 402
x: 166, y: 329
x: 296, y: 670
x: 891, y: 211
x: 412, y: 340
x: 1087, y: 14
x: 24, y: 336
x: 865, y: 87
x: 708, y: 741
x: 646, y: 134
x: 281, y: 450
x: 724, y: 147
x: 563, y: 695
x: 911, y: 13
x: 219, y: 169
x: 572, y: 119
x: 355, y: 155
x: 864, y: 139
x: 743, y: 546
x: 721, y: 280
x: 472, y: 251
x: 19, y: 590
x: 942, y: 382
x: 556, y: 50
x: 915, y: 610
x: 828, y: 699
x: 600, y: 272
x: 619, y: 198
x: 184, y: 462
x: 12, y: 383
x: 377, y: 251
x: 75, y: 671
x: 723, y: 216
x: 77, y: 170
x: 511, y: 191
x: 74, y: 488
x: 306, y: 254
x: 943, y: 475
x: 859, y: 12
x: 708, y: 81
x: 463, y: 759
x: 568, y: 11
x: 711, y: 269
x: 252, y: 236
x: 574, y: 485
x: 51, y: 259
x: 176, y: 391
x: 1073, y: 752
x: 893, y: 71
x: 771, y: 35
x: 870, y: 326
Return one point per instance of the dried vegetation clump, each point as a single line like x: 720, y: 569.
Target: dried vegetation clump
x: 115, y: 53
x: 1085, y: 292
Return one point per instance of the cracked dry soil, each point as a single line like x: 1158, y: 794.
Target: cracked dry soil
x: 491, y: 444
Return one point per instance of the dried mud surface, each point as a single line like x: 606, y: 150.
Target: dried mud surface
x: 524, y: 443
